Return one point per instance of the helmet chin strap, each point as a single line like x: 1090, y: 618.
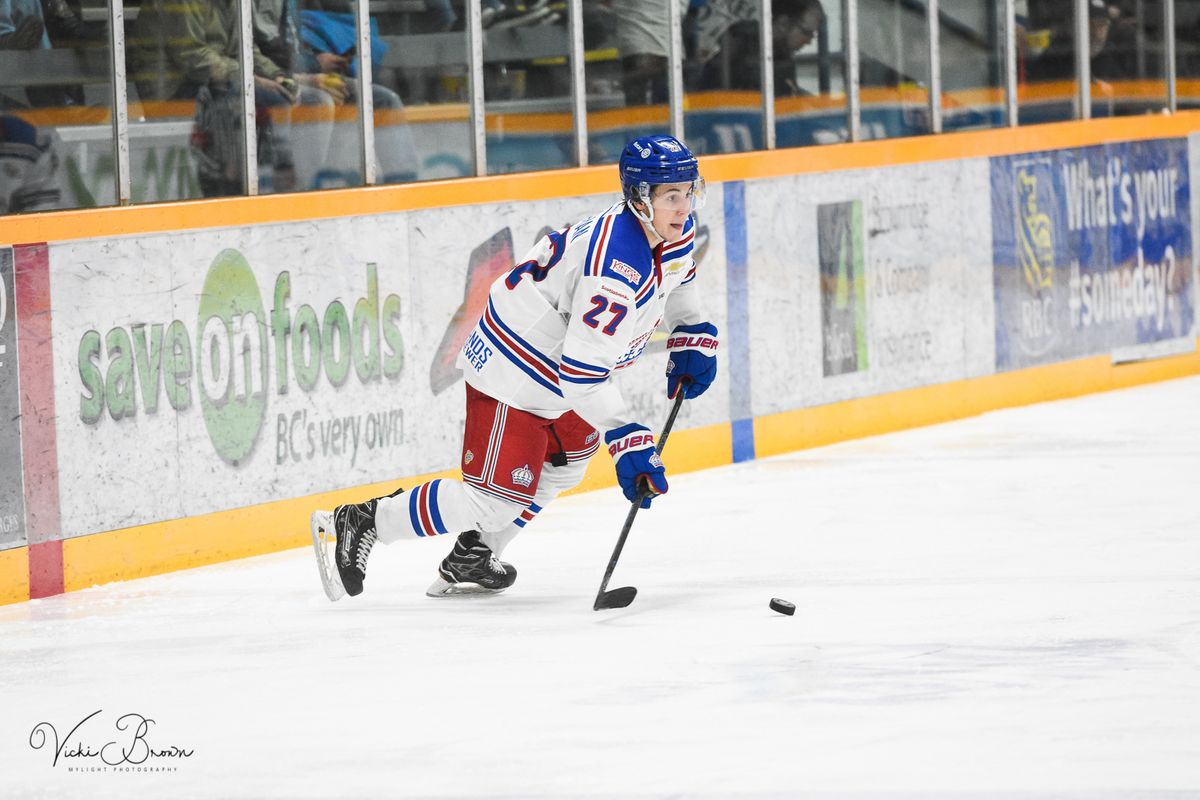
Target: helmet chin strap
x: 647, y: 219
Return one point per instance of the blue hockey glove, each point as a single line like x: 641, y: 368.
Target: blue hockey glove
x: 638, y: 465
x: 692, y: 359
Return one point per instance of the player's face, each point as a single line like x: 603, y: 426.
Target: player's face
x: 672, y: 203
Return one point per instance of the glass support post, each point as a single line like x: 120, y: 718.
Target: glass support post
x: 366, y: 95
x: 120, y: 99
x: 1170, y: 68
x: 854, y: 99
x: 766, y: 42
x: 675, y: 70
x: 475, y: 86
x: 249, y: 124
x: 1010, y: 63
x: 1083, y: 60
x: 935, y: 67
x: 578, y: 82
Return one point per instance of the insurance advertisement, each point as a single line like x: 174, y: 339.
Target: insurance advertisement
x: 1092, y: 249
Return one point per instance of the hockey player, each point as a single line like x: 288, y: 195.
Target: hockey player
x: 538, y: 368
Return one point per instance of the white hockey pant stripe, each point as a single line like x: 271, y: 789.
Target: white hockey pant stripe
x: 554, y: 481
x: 462, y: 507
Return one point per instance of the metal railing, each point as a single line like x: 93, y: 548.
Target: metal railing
x: 475, y: 59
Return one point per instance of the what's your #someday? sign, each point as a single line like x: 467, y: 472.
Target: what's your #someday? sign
x: 1092, y: 250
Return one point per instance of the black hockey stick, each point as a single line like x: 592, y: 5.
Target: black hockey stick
x: 619, y: 598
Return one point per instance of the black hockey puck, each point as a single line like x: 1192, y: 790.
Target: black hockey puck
x: 782, y: 606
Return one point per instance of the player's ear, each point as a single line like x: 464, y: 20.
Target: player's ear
x: 649, y: 199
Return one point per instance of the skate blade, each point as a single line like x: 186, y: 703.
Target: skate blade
x: 444, y: 588
x: 324, y: 541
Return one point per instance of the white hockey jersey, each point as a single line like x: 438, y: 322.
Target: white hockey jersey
x: 583, y: 304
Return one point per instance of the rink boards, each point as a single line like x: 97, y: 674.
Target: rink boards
x: 189, y: 392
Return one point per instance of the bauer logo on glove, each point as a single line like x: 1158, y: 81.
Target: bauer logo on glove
x: 639, y: 469
x: 692, y: 359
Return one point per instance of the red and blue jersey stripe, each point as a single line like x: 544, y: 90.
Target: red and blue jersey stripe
x: 598, y: 246
x: 423, y: 510
x: 647, y: 290
x: 576, y: 371
x: 683, y: 247
x: 525, y: 356
x: 527, y: 515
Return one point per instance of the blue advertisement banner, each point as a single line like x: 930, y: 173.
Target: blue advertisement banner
x: 1092, y: 249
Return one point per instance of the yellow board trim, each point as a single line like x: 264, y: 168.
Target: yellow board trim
x: 196, y: 541
x: 14, y: 575
x: 226, y: 535
x: 59, y: 226
x: 207, y: 539
x: 817, y: 426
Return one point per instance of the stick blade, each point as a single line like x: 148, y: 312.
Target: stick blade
x: 617, y: 598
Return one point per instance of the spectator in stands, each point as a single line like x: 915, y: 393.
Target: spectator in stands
x: 180, y: 47
x: 794, y: 26
x: 1116, y: 58
x: 22, y: 25
x: 1053, y: 22
x: 722, y: 24
x: 643, y: 39
x: 30, y: 177
x: 42, y: 25
x: 66, y: 27
x: 445, y: 17
x: 328, y: 37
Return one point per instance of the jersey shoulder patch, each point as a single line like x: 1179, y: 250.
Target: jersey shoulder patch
x: 624, y: 272
x: 627, y: 257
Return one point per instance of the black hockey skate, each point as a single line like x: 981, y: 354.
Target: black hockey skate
x: 343, y: 540
x: 471, y: 568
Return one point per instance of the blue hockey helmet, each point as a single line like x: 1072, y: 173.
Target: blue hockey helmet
x: 652, y: 160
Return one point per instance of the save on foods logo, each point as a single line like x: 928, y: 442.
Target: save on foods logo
x: 237, y: 352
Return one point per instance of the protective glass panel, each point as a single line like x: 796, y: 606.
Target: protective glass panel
x: 1046, y: 71
x: 306, y: 94
x: 56, y: 139
x: 971, y: 41
x: 308, y: 90
x: 810, y: 73
x: 626, y: 73
x: 185, y: 107
x: 1187, y: 53
x: 1128, y: 74
x: 722, y: 72
x: 330, y: 63
x: 423, y: 124
x: 893, y: 38
x: 527, y: 87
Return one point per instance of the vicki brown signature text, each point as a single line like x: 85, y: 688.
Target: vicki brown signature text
x: 128, y: 747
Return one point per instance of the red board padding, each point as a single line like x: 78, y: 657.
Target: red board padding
x: 35, y: 348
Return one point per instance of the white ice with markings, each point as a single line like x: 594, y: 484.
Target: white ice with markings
x: 1003, y: 606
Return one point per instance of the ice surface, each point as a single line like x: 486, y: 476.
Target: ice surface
x: 1004, y: 606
